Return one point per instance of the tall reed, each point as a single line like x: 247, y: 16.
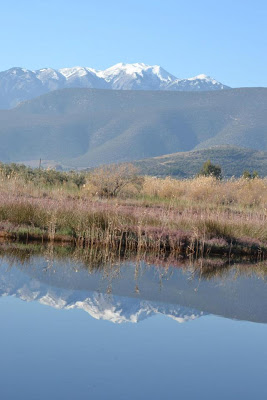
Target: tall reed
x: 194, y: 216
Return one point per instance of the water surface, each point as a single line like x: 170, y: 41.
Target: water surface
x: 131, y: 330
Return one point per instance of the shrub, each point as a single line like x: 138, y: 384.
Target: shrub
x: 248, y: 175
x: 209, y: 169
x: 110, y: 180
x: 40, y: 176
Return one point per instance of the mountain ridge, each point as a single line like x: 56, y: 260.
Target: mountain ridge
x: 83, y: 128
x: 101, y: 306
x: 19, y: 84
x: 233, y: 161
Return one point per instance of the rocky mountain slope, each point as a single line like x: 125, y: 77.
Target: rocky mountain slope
x: 19, y: 84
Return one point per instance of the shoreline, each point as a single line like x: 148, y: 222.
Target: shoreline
x: 131, y: 241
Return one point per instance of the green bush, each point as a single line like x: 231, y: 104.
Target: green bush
x: 209, y: 169
x: 248, y: 175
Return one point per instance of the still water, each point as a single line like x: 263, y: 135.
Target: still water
x: 131, y: 330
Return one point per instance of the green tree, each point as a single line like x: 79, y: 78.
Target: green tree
x: 255, y: 174
x: 248, y: 175
x: 209, y: 169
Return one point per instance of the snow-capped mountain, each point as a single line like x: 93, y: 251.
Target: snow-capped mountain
x: 129, y: 292
x: 137, y: 76
x: 19, y: 84
x: 101, y: 306
x: 108, y: 307
x: 197, y: 83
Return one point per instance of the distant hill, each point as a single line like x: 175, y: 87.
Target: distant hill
x: 20, y: 84
x: 233, y: 160
x: 88, y: 127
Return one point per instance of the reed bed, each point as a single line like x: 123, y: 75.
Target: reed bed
x: 194, y: 216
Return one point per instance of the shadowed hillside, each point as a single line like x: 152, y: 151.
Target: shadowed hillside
x: 233, y: 160
x: 88, y: 127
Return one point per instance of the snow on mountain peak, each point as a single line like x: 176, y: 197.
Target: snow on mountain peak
x: 207, y: 80
x: 202, y: 77
x: 69, y: 73
x: 100, y: 306
x: 121, y: 68
x: 25, y: 84
x: 45, y: 74
x: 134, y: 70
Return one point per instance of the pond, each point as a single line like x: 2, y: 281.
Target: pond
x: 131, y: 329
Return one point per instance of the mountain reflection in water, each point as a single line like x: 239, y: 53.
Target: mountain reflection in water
x: 131, y: 291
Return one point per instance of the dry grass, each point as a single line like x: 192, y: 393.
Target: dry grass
x: 243, y: 193
x: 198, y: 215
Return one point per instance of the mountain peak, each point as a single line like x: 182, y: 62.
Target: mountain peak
x: 200, y: 76
x: 129, y: 69
x: 20, y: 84
x: 137, y: 76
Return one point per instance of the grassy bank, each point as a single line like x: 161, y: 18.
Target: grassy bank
x: 197, y: 216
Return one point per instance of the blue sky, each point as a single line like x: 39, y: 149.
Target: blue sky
x: 226, y: 39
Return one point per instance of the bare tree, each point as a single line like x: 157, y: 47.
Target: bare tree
x: 109, y: 180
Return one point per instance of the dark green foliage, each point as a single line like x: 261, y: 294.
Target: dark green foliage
x: 248, y: 175
x: 209, y: 169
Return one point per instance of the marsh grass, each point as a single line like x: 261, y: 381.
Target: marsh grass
x: 197, y: 216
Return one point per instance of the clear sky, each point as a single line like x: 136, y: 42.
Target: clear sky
x: 224, y: 39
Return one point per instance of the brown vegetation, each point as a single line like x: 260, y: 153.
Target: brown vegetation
x: 195, y: 216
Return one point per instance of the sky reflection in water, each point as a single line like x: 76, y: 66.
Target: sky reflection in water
x: 196, y: 337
